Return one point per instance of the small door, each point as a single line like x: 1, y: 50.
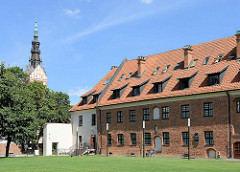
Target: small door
x: 236, y: 149
x: 158, y: 144
x: 211, y: 153
x: 93, y: 142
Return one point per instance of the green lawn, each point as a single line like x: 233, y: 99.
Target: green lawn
x: 100, y: 163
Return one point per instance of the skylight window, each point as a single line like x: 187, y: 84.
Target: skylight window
x: 106, y: 82
x: 193, y: 63
x: 121, y: 77
x: 130, y: 74
x: 206, y: 61
x: 219, y: 58
x: 155, y: 71
x: 166, y: 69
x: 177, y: 67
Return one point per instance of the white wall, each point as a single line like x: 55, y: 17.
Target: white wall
x: 58, y: 133
x: 86, y: 130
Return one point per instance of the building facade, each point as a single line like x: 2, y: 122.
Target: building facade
x: 200, y: 82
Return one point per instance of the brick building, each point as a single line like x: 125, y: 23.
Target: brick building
x: 200, y: 82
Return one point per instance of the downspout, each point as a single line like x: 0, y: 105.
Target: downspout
x: 230, y: 125
x: 101, y: 96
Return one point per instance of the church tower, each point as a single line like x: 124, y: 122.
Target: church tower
x: 35, y: 69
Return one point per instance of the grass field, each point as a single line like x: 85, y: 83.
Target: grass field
x: 100, y: 163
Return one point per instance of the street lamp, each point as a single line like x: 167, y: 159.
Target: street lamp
x: 188, y: 138
x: 107, y: 128
x: 143, y: 138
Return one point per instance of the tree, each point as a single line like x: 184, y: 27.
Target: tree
x: 16, y: 107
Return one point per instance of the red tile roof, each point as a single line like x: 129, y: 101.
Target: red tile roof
x: 199, y: 85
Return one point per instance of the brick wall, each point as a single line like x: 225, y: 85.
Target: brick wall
x: 13, y: 149
x: 175, y: 125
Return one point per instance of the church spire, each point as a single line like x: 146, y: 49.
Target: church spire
x: 35, y: 51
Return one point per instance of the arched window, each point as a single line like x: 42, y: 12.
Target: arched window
x: 156, y: 113
x: 238, y: 106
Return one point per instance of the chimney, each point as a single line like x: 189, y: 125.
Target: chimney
x: 238, y: 44
x: 141, y: 65
x: 187, y: 55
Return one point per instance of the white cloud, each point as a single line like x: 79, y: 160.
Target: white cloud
x: 78, y: 91
x: 146, y: 1
x: 72, y: 12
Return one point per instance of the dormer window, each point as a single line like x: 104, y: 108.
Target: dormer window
x: 216, y: 74
x: 155, y: 71
x: 136, y: 91
x: 177, y: 66
x: 95, y: 98
x: 186, y: 80
x: 138, y: 88
x: 213, y: 79
x: 116, y: 94
x: 130, y: 74
x: 84, y: 100
x: 120, y: 78
x: 157, y: 88
x: 206, y: 61
x: 166, y: 69
x: 193, y: 63
x: 184, y: 83
x: 118, y: 90
x: 219, y: 58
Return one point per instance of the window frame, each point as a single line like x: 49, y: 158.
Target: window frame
x: 208, y: 138
x: 108, y: 117
x: 148, y: 139
x: 208, y: 109
x: 109, y: 139
x: 165, y: 112
x: 80, y: 120
x: 132, y: 115
x: 238, y: 106
x: 93, y: 119
x: 119, y: 117
x: 146, y: 116
x: 166, y: 138
x: 185, y: 138
x: 213, y: 79
x: 158, y: 87
x: 185, y: 113
x: 133, y: 139
x: 120, y: 139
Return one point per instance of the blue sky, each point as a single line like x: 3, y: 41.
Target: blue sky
x: 82, y: 39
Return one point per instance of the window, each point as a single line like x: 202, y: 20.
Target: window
x: 116, y: 94
x: 156, y: 113
x: 206, y: 61
x: 106, y: 82
x: 95, y: 98
x: 185, y: 111
x: 185, y: 138
x: 208, y: 109
x: 80, y: 120
x: 93, y: 119
x: 133, y: 139
x: 155, y: 71
x: 238, y: 106
x: 108, y: 117
x: 84, y: 100
x: 132, y: 115
x: 136, y: 91
x: 120, y: 78
x: 193, y: 63
x: 130, y: 74
x: 208, y: 137
x: 146, y: 114
x: 184, y: 83
x: 219, y: 58
x: 119, y: 116
x: 80, y: 140
x: 166, y: 69
x: 109, y: 139
x: 147, y: 138
x: 165, y: 112
x: 177, y: 66
x: 166, y: 140
x: 157, y: 88
x: 213, y: 79
x: 120, y: 140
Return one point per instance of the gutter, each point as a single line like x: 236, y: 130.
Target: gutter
x: 229, y: 125
x: 103, y: 93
